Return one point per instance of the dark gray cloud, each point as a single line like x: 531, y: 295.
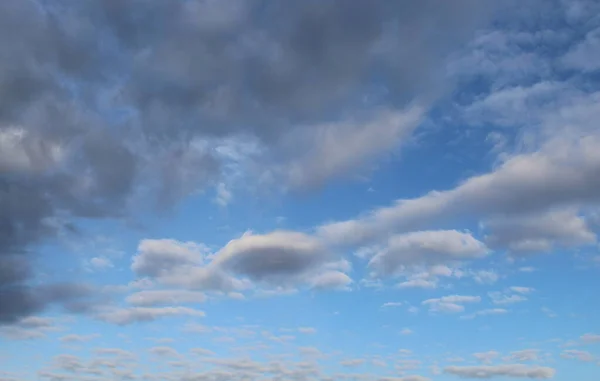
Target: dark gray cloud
x: 106, y: 100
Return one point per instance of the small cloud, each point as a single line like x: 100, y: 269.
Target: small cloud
x: 549, y: 312
x: 487, y: 312
x: 223, y: 195
x: 391, y: 304
x: 406, y: 331
x: 352, y: 363
x: 100, y: 263
x: 71, y: 339
x: 527, y: 269
x: 307, y: 330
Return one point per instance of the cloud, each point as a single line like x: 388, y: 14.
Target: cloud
x: 502, y: 298
x: 524, y: 355
x: 352, y: 362
x: 585, y: 55
x: 405, y: 378
x: 278, y: 261
x: 574, y: 354
x: 418, y: 283
x: 163, y: 351
x: 126, y: 316
x: 568, y: 166
x: 485, y: 277
x: 590, y: 338
x: 450, y: 304
x: 202, y: 352
x: 74, y: 338
x: 307, y: 330
x: 272, y: 256
x: 522, y: 290
x: 156, y: 256
x: 150, y: 298
x: 102, y: 113
x: 331, y: 280
x: 507, y: 370
x: 486, y: 312
x: 101, y: 263
x: 391, y: 304
x: 406, y: 331
x: 20, y: 300
x: 486, y: 357
x: 540, y: 232
x: 28, y: 328
x: 340, y: 146
x: 425, y: 248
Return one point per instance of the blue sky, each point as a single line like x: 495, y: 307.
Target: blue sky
x: 201, y: 190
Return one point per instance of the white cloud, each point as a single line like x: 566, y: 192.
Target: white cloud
x: 504, y: 298
x: 101, y: 263
x: 486, y: 312
x: 391, y: 304
x: 574, y: 354
x: 524, y: 355
x: 451, y: 303
x: 160, y: 256
x: 506, y: 370
x: 485, y: 276
x: 73, y: 338
x: 223, y: 196
x: 202, y: 352
x: 331, y: 280
x: 272, y: 262
x: 149, y: 298
x: 566, y: 171
x: 522, y: 290
x: 590, y: 338
x: 307, y: 330
x: 425, y: 248
x: 539, y: 232
x: 406, y: 331
x: 418, y: 283
x: 405, y: 378
x: 125, y: 316
x: 337, y: 147
x: 352, y: 362
x: 486, y: 357
x: 163, y: 351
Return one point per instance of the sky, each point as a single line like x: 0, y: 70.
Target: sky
x: 215, y: 190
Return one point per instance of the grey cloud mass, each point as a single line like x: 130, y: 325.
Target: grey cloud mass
x: 109, y: 105
x: 507, y: 370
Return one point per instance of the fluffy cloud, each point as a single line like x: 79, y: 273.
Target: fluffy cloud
x: 540, y: 232
x: 165, y: 297
x: 125, y: 316
x: 280, y: 260
x: 575, y: 354
x: 486, y: 312
x: 590, y: 338
x: 425, y: 248
x: 31, y: 327
x: 74, y: 338
x: 566, y: 172
x: 451, y: 303
x: 156, y: 256
x: 507, y: 370
x: 503, y: 298
x: 486, y: 357
x: 524, y: 355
